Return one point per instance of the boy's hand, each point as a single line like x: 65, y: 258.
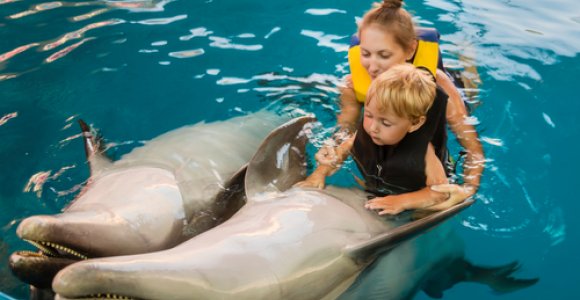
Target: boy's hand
x: 456, y: 194
x: 391, y: 205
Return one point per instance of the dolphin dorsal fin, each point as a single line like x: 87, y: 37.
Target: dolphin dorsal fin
x: 388, y: 240
x: 93, y: 149
x: 279, y: 162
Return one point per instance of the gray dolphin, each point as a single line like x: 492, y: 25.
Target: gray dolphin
x: 153, y: 198
x: 285, y: 243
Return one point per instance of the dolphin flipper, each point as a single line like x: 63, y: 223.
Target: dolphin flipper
x: 94, y: 149
x: 500, y: 279
x: 279, y: 161
x: 392, y: 238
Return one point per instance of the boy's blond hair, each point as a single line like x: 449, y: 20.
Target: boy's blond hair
x: 404, y: 90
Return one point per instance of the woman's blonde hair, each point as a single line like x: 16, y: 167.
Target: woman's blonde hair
x: 404, y: 90
x: 393, y: 18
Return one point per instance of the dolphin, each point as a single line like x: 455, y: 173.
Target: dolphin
x: 153, y: 198
x: 284, y: 243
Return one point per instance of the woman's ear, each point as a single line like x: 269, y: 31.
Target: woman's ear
x: 417, y: 124
x: 412, y: 50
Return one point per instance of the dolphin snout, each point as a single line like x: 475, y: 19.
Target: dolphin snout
x: 35, y: 227
x: 66, y: 282
x: 36, y: 269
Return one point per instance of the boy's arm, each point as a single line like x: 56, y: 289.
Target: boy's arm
x: 420, y: 199
x: 466, y: 136
x: 326, y: 168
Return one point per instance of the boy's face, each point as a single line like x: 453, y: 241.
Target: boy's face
x: 385, y: 128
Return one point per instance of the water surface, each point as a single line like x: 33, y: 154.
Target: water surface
x: 136, y: 69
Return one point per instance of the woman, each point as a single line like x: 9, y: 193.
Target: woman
x: 387, y: 38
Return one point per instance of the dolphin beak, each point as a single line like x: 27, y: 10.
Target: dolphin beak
x: 36, y: 269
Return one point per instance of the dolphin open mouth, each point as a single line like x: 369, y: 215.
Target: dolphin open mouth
x: 55, y: 250
x: 39, y: 268
x: 99, y: 296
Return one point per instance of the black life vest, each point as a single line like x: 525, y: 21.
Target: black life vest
x: 397, y: 169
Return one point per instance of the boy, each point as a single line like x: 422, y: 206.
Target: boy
x: 392, y: 146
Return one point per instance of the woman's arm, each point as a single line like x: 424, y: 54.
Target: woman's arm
x: 350, y: 108
x: 347, y: 120
x: 466, y: 136
x: 420, y: 199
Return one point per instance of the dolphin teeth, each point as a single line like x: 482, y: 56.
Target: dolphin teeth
x: 31, y: 253
x: 48, y: 248
x: 42, y: 248
x: 109, y: 296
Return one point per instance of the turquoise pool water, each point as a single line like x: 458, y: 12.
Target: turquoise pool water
x: 135, y: 69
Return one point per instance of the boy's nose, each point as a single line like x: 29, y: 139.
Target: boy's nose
x: 374, y: 126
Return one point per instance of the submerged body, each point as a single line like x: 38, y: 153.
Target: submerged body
x: 153, y: 198
x: 295, y: 244
x: 287, y: 245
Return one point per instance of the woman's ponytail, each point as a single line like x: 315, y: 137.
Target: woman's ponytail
x: 392, y: 4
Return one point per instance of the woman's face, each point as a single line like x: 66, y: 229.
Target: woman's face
x: 380, y: 51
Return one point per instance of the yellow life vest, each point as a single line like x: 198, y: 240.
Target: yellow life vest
x: 426, y: 55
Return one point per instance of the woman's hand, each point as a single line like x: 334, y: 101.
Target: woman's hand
x: 391, y: 205
x: 315, y: 180
x: 327, y: 155
x: 335, y: 150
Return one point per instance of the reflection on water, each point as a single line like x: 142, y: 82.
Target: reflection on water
x: 139, y: 68
x: 134, y: 6
x: 508, y: 40
x: 507, y: 32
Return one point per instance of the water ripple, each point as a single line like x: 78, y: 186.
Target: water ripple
x: 548, y: 120
x: 140, y: 5
x: 7, y: 117
x: 324, y: 11
x: 269, y: 34
x: 37, y: 8
x: 503, y: 33
x: 326, y: 40
x: 224, y: 43
x: 8, y: 1
x: 187, y: 53
x: 61, y: 53
x: 8, y: 55
x: 90, y: 15
x: 196, y: 32
x: 77, y: 34
x: 161, y: 21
